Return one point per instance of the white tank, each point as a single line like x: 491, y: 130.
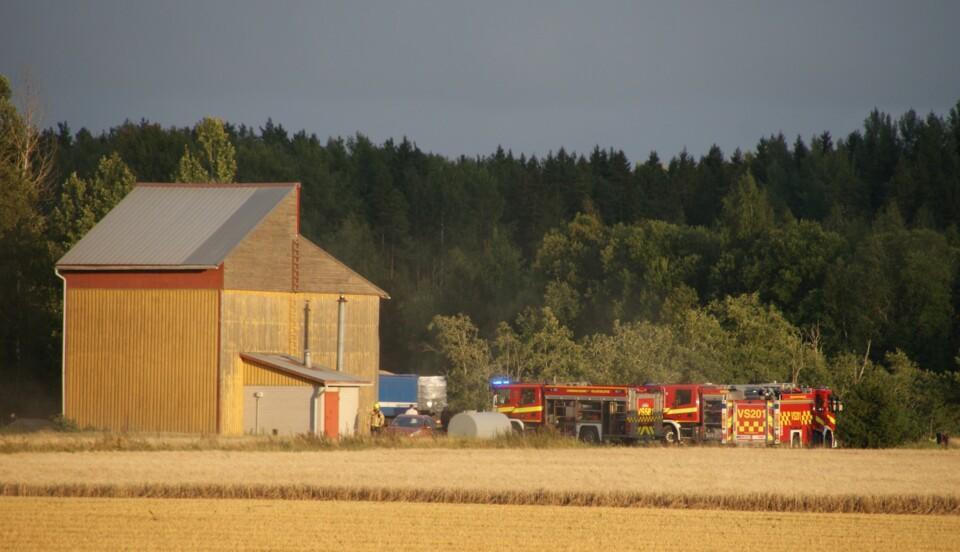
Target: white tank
x: 478, y: 425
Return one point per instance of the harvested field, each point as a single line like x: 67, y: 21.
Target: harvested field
x: 96, y: 524
x: 91, y: 441
x: 766, y: 502
x: 655, y: 470
x: 895, y: 481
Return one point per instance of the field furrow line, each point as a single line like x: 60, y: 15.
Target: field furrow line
x: 763, y: 502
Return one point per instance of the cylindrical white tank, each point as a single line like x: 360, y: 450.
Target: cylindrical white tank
x: 478, y: 425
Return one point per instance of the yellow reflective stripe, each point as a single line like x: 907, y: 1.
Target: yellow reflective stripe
x: 689, y: 410
x: 832, y: 419
x: 519, y: 409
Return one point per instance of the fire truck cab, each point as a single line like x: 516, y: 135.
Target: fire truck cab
x: 691, y: 411
x: 521, y: 402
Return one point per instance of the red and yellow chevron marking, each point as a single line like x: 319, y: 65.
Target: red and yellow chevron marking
x: 803, y: 417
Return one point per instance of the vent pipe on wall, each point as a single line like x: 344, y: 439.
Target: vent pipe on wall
x: 341, y: 314
x: 306, y: 334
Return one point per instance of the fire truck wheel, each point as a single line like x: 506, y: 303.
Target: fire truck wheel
x: 589, y: 435
x: 670, y: 436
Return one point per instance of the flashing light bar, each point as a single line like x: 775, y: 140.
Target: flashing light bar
x: 500, y: 381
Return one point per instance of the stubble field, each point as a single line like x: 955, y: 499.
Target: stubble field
x: 712, y: 471
x: 481, y: 499
x: 143, y: 524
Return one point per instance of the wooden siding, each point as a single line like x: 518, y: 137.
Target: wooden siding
x: 321, y: 272
x: 142, y: 359
x: 258, y: 375
x: 272, y: 322
x: 264, y: 259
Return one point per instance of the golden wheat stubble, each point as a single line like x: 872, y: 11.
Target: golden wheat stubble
x: 711, y: 471
x: 96, y: 524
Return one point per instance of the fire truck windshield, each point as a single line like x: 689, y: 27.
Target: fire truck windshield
x: 501, y: 397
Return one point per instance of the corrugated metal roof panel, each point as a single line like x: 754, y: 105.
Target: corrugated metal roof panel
x: 293, y: 366
x: 175, y: 225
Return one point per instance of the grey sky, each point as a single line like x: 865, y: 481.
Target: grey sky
x: 464, y: 78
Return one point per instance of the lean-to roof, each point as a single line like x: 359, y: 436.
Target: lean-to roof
x: 316, y: 374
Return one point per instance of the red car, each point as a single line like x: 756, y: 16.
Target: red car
x: 409, y: 425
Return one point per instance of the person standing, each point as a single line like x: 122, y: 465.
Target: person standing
x: 376, y: 420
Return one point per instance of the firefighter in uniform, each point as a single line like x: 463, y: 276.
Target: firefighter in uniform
x: 376, y: 420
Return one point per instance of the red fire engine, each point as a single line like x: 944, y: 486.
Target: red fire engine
x: 762, y: 414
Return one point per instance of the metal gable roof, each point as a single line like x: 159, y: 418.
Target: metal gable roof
x: 294, y: 367
x: 175, y: 226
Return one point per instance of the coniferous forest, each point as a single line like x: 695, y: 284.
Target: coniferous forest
x: 825, y: 260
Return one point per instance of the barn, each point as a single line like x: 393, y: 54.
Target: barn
x: 200, y: 308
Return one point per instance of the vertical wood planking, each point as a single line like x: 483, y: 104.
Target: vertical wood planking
x: 264, y: 259
x: 272, y: 322
x: 142, y: 359
x: 257, y: 375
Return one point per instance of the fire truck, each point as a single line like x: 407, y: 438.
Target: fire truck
x: 756, y: 414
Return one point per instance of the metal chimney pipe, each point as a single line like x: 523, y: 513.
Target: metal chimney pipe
x: 306, y: 335
x: 341, y: 328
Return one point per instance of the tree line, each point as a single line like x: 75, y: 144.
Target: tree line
x: 825, y: 261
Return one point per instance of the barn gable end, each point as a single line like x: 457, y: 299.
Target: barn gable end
x: 167, y: 292
x: 264, y: 259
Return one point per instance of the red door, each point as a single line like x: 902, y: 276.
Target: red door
x: 331, y: 414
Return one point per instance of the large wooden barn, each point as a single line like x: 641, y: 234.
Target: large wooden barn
x: 186, y: 310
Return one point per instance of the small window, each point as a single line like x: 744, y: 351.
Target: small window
x: 502, y: 397
x: 527, y: 396
x: 681, y: 397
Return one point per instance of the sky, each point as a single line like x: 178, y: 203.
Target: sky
x: 464, y: 77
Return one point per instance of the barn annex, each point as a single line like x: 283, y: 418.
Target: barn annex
x: 188, y: 309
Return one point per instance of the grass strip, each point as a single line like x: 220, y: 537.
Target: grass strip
x: 761, y: 502
x: 118, y: 442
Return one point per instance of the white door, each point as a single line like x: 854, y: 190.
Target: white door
x: 349, y: 403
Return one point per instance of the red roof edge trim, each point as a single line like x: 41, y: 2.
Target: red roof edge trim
x: 219, y: 185
x: 142, y: 279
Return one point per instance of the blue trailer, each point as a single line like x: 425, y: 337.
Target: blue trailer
x: 398, y: 392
